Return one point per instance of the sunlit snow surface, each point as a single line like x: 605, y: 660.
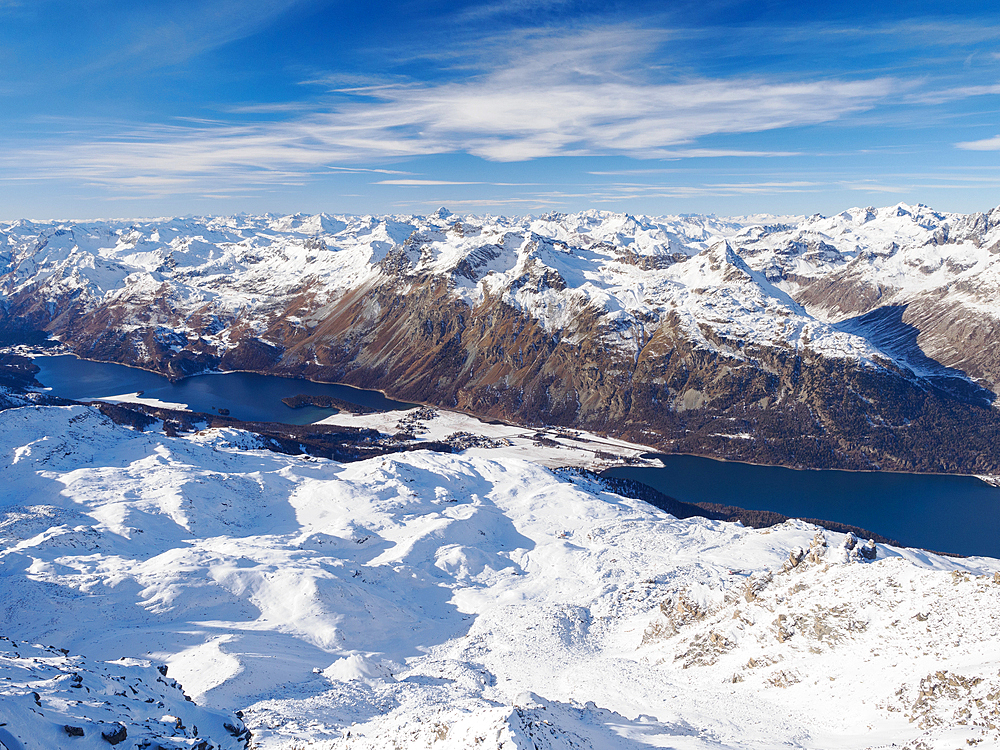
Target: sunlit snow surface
x: 424, y: 599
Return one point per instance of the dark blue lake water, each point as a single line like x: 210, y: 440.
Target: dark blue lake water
x: 248, y: 396
x: 933, y: 511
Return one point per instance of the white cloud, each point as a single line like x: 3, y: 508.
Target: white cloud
x: 908, y: 33
x: 987, y: 144
x: 424, y: 182
x: 584, y: 94
x: 954, y: 94
x: 689, y: 153
x: 868, y: 187
x: 152, y: 39
x: 516, y: 120
x: 366, y: 170
x: 480, y: 202
x: 619, y: 192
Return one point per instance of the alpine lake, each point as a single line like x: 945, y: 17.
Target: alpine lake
x: 241, y: 395
x: 947, y: 513
x: 940, y: 512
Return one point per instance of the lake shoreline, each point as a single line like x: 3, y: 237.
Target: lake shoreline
x: 851, y: 497
x: 654, y: 453
x: 991, y: 480
x: 70, y: 353
x: 251, y: 396
x: 957, y: 513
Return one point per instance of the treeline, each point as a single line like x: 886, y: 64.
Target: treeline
x: 326, y: 402
x: 323, y: 441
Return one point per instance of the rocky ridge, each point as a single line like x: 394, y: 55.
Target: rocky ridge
x: 50, y: 698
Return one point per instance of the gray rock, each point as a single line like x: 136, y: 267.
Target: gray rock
x: 115, y: 733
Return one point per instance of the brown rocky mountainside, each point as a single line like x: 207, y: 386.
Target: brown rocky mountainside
x: 689, y: 334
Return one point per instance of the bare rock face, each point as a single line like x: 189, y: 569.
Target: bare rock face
x: 860, y: 341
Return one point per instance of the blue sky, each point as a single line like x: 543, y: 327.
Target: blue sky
x: 505, y: 106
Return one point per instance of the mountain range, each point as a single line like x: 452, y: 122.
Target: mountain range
x: 860, y: 340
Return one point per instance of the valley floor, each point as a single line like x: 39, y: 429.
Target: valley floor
x: 548, y: 446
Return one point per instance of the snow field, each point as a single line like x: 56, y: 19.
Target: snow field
x: 425, y: 599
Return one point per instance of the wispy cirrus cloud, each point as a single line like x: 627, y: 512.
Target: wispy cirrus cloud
x: 568, y: 94
x: 626, y: 194
x: 717, y: 190
x: 195, y: 27
x: 521, y: 203
x: 366, y: 170
x: 986, y: 144
x: 699, y: 153
x: 418, y: 183
x: 423, y: 183
x: 943, y: 96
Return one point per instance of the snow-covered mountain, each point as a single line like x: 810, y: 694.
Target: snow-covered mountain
x: 920, y: 284
x: 857, y: 340
x: 450, y: 601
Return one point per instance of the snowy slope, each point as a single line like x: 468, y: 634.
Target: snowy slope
x: 906, y: 249
x: 426, y: 599
x: 918, y: 284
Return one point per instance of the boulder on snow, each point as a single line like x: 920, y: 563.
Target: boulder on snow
x: 114, y: 733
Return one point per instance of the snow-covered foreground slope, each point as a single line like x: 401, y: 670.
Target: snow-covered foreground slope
x: 427, y: 599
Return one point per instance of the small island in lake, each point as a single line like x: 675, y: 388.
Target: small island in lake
x: 326, y: 402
